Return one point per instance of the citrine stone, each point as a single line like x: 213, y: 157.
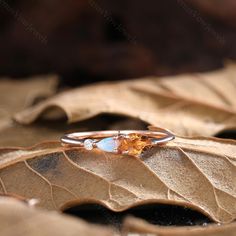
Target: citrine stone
x: 133, y: 144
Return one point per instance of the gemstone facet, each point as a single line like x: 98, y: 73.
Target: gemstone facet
x: 88, y: 144
x: 133, y: 144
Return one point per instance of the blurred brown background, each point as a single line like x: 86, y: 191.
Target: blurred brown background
x: 92, y: 40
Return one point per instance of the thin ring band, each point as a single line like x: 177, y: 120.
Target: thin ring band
x: 122, y: 141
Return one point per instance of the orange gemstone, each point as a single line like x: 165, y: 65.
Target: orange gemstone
x: 132, y: 144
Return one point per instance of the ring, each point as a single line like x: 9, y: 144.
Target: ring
x: 131, y: 142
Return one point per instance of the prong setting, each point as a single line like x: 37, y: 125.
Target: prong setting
x: 88, y: 144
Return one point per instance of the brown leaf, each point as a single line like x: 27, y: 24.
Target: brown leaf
x: 14, y: 134
x: 24, y: 92
x: 199, y: 173
x: 16, y: 95
x: 140, y: 227
x: 28, y: 221
x: 217, y: 88
x: 155, y: 101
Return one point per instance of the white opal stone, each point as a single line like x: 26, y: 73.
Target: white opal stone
x: 88, y: 144
x: 108, y: 144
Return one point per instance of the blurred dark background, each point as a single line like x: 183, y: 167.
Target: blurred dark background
x: 92, y: 40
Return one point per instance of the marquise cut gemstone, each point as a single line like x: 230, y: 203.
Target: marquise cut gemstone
x: 133, y: 144
x: 108, y: 144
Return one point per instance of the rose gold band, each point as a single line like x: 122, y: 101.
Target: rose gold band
x: 78, y: 138
x: 123, y: 141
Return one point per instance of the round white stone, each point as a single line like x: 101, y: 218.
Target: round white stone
x: 88, y: 144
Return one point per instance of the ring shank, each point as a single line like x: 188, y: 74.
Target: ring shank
x: 77, y: 138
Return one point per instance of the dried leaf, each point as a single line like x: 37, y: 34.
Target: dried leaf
x: 197, y: 172
x: 24, y: 92
x: 16, y: 95
x: 140, y: 227
x: 217, y: 88
x: 14, y: 134
x: 155, y: 101
x: 28, y: 221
